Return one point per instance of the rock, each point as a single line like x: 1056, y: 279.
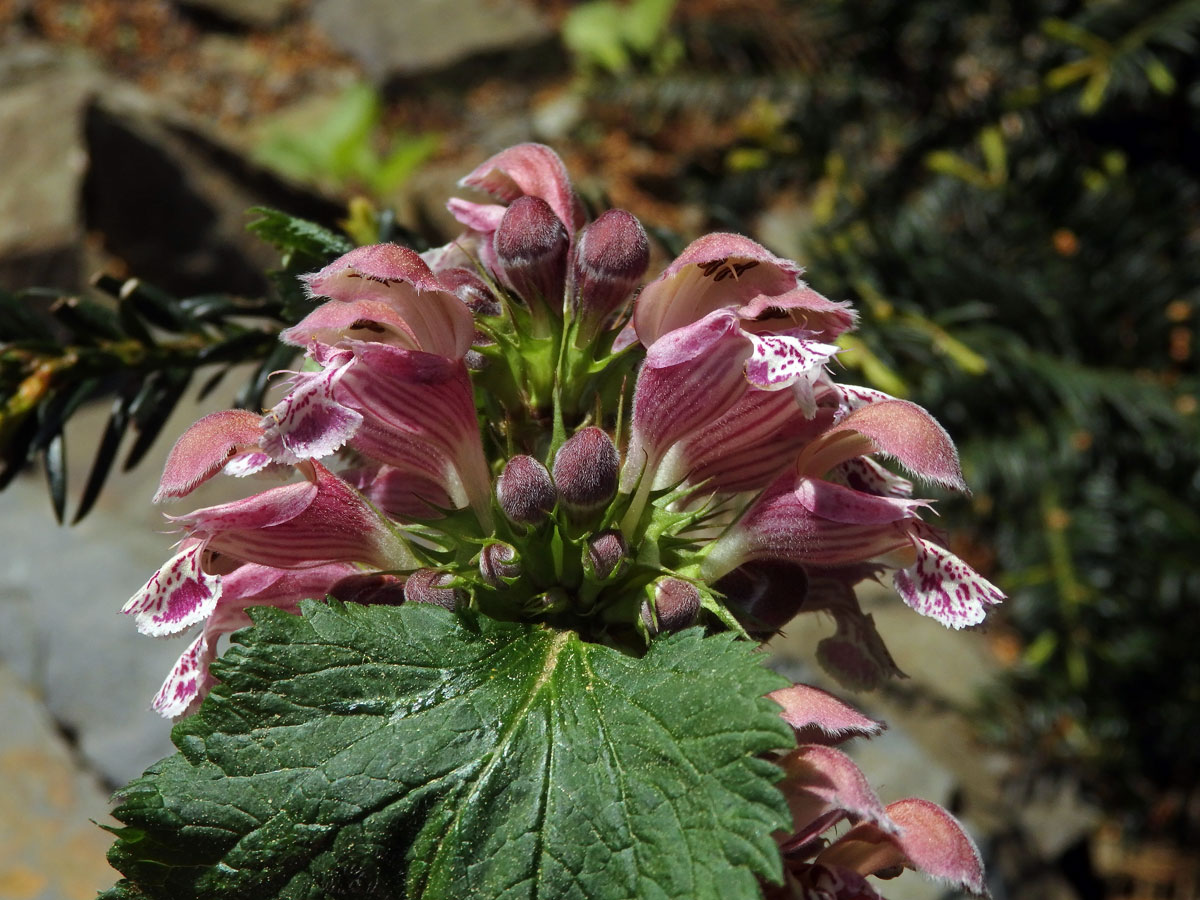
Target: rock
x: 83, y: 153
x: 49, y: 847
x: 399, y: 39
x: 61, y: 591
x: 247, y: 13
x: 170, y: 198
x: 43, y: 158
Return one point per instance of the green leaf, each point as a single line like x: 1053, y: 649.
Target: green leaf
x: 406, y: 752
x: 297, y: 236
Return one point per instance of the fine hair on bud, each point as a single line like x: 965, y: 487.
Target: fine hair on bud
x: 497, y: 562
x: 605, y: 552
x: 610, y: 259
x: 765, y: 594
x: 531, y: 247
x: 430, y: 586
x: 525, y: 491
x: 471, y: 290
x: 586, y: 469
x: 676, y: 604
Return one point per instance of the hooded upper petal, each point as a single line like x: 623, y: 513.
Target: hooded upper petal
x: 205, y: 448
x: 395, y: 294
x: 527, y: 170
x: 311, y: 523
x: 820, y: 718
x: 730, y: 271
x: 929, y: 840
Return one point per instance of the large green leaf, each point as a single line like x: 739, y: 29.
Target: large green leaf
x: 405, y: 752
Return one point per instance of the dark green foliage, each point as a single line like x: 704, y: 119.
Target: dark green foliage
x: 142, y: 347
x: 405, y: 752
x: 1009, y: 193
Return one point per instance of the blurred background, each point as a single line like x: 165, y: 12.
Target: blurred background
x: 1007, y: 191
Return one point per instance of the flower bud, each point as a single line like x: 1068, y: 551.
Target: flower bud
x: 531, y: 247
x: 610, y: 259
x: 766, y: 594
x: 369, y: 589
x: 430, y: 586
x: 676, y: 603
x: 586, y: 469
x: 498, y: 562
x: 552, y: 601
x: 471, y: 289
x: 605, y: 553
x: 525, y: 491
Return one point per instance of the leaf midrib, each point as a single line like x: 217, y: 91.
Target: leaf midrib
x: 553, y: 650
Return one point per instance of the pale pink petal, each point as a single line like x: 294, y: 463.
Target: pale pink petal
x: 818, y: 780
x: 745, y: 448
x: 251, y: 462
x: 910, y: 435
x: 802, y: 308
x: 368, y: 320
x: 820, y: 718
x: 204, y: 448
x: 835, y: 503
x: 187, y: 682
x: 713, y: 272
x: 481, y: 217
x: 302, y: 526
x: 309, y: 422
x: 852, y: 396
x: 435, y: 319
x: 930, y: 840
x: 178, y: 595
x: 814, y: 523
x: 419, y: 415
x: 689, y: 378
x: 781, y: 360
x: 942, y: 586
x: 534, y: 170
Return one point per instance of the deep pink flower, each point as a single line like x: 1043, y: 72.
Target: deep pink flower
x: 833, y: 529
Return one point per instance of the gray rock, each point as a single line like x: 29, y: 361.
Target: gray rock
x: 44, y: 160
x: 390, y: 38
x: 49, y: 847
x: 85, y: 153
x: 61, y: 591
x: 249, y: 13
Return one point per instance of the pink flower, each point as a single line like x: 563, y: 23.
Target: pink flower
x: 832, y: 529
x: 788, y: 323
x: 824, y: 788
x: 393, y: 384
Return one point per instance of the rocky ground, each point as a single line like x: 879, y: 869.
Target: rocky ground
x: 128, y: 131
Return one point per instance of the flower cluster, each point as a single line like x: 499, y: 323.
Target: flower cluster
x: 508, y: 425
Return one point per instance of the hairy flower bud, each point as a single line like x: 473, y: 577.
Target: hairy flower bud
x: 767, y: 594
x: 525, y: 491
x: 676, y: 604
x: 531, y: 248
x: 429, y: 586
x: 586, y: 469
x: 610, y: 259
x: 471, y: 289
x: 604, y: 555
x: 497, y: 562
